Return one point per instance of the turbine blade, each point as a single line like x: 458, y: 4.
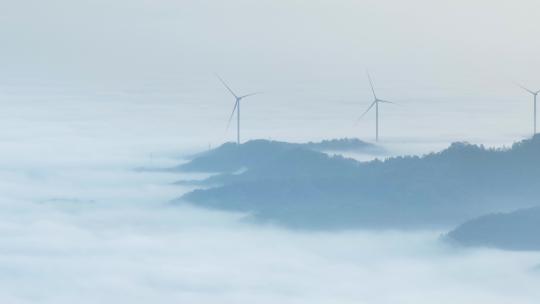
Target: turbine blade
x: 385, y: 101
x: 371, y: 84
x: 524, y: 88
x: 232, y: 115
x: 256, y: 93
x: 225, y: 84
x: 363, y: 114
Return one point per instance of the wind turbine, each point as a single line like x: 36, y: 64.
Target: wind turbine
x: 535, y: 94
x: 236, y: 108
x: 375, y: 103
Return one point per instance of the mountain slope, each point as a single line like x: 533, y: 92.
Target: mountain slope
x: 305, y: 188
x: 518, y: 230
x: 231, y: 157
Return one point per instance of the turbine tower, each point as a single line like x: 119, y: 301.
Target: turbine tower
x: 376, y: 102
x: 535, y: 95
x: 235, y: 109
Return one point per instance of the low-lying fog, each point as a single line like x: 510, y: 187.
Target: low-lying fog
x: 78, y: 223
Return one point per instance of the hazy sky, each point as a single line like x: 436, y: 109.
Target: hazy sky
x: 414, y: 41
x: 445, y: 61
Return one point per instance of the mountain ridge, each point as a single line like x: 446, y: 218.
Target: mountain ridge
x: 441, y: 189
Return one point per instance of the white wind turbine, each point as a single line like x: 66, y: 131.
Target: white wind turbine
x: 375, y: 103
x: 236, y: 108
x: 535, y: 95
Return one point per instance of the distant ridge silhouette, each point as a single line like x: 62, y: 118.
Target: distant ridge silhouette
x: 232, y: 157
x: 303, y: 188
x: 518, y: 230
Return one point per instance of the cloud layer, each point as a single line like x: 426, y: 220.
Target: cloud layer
x: 78, y: 224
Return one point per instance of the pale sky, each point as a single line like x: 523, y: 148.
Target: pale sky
x: 416, y: 39
x: 444, y: 61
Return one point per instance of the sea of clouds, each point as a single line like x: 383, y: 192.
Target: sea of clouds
x: 92, y: 90
x: 79, y: 223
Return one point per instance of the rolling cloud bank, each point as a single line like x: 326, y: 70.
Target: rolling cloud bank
x: 82, y: 225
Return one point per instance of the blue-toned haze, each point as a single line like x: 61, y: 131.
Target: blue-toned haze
x: 92, y: 90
